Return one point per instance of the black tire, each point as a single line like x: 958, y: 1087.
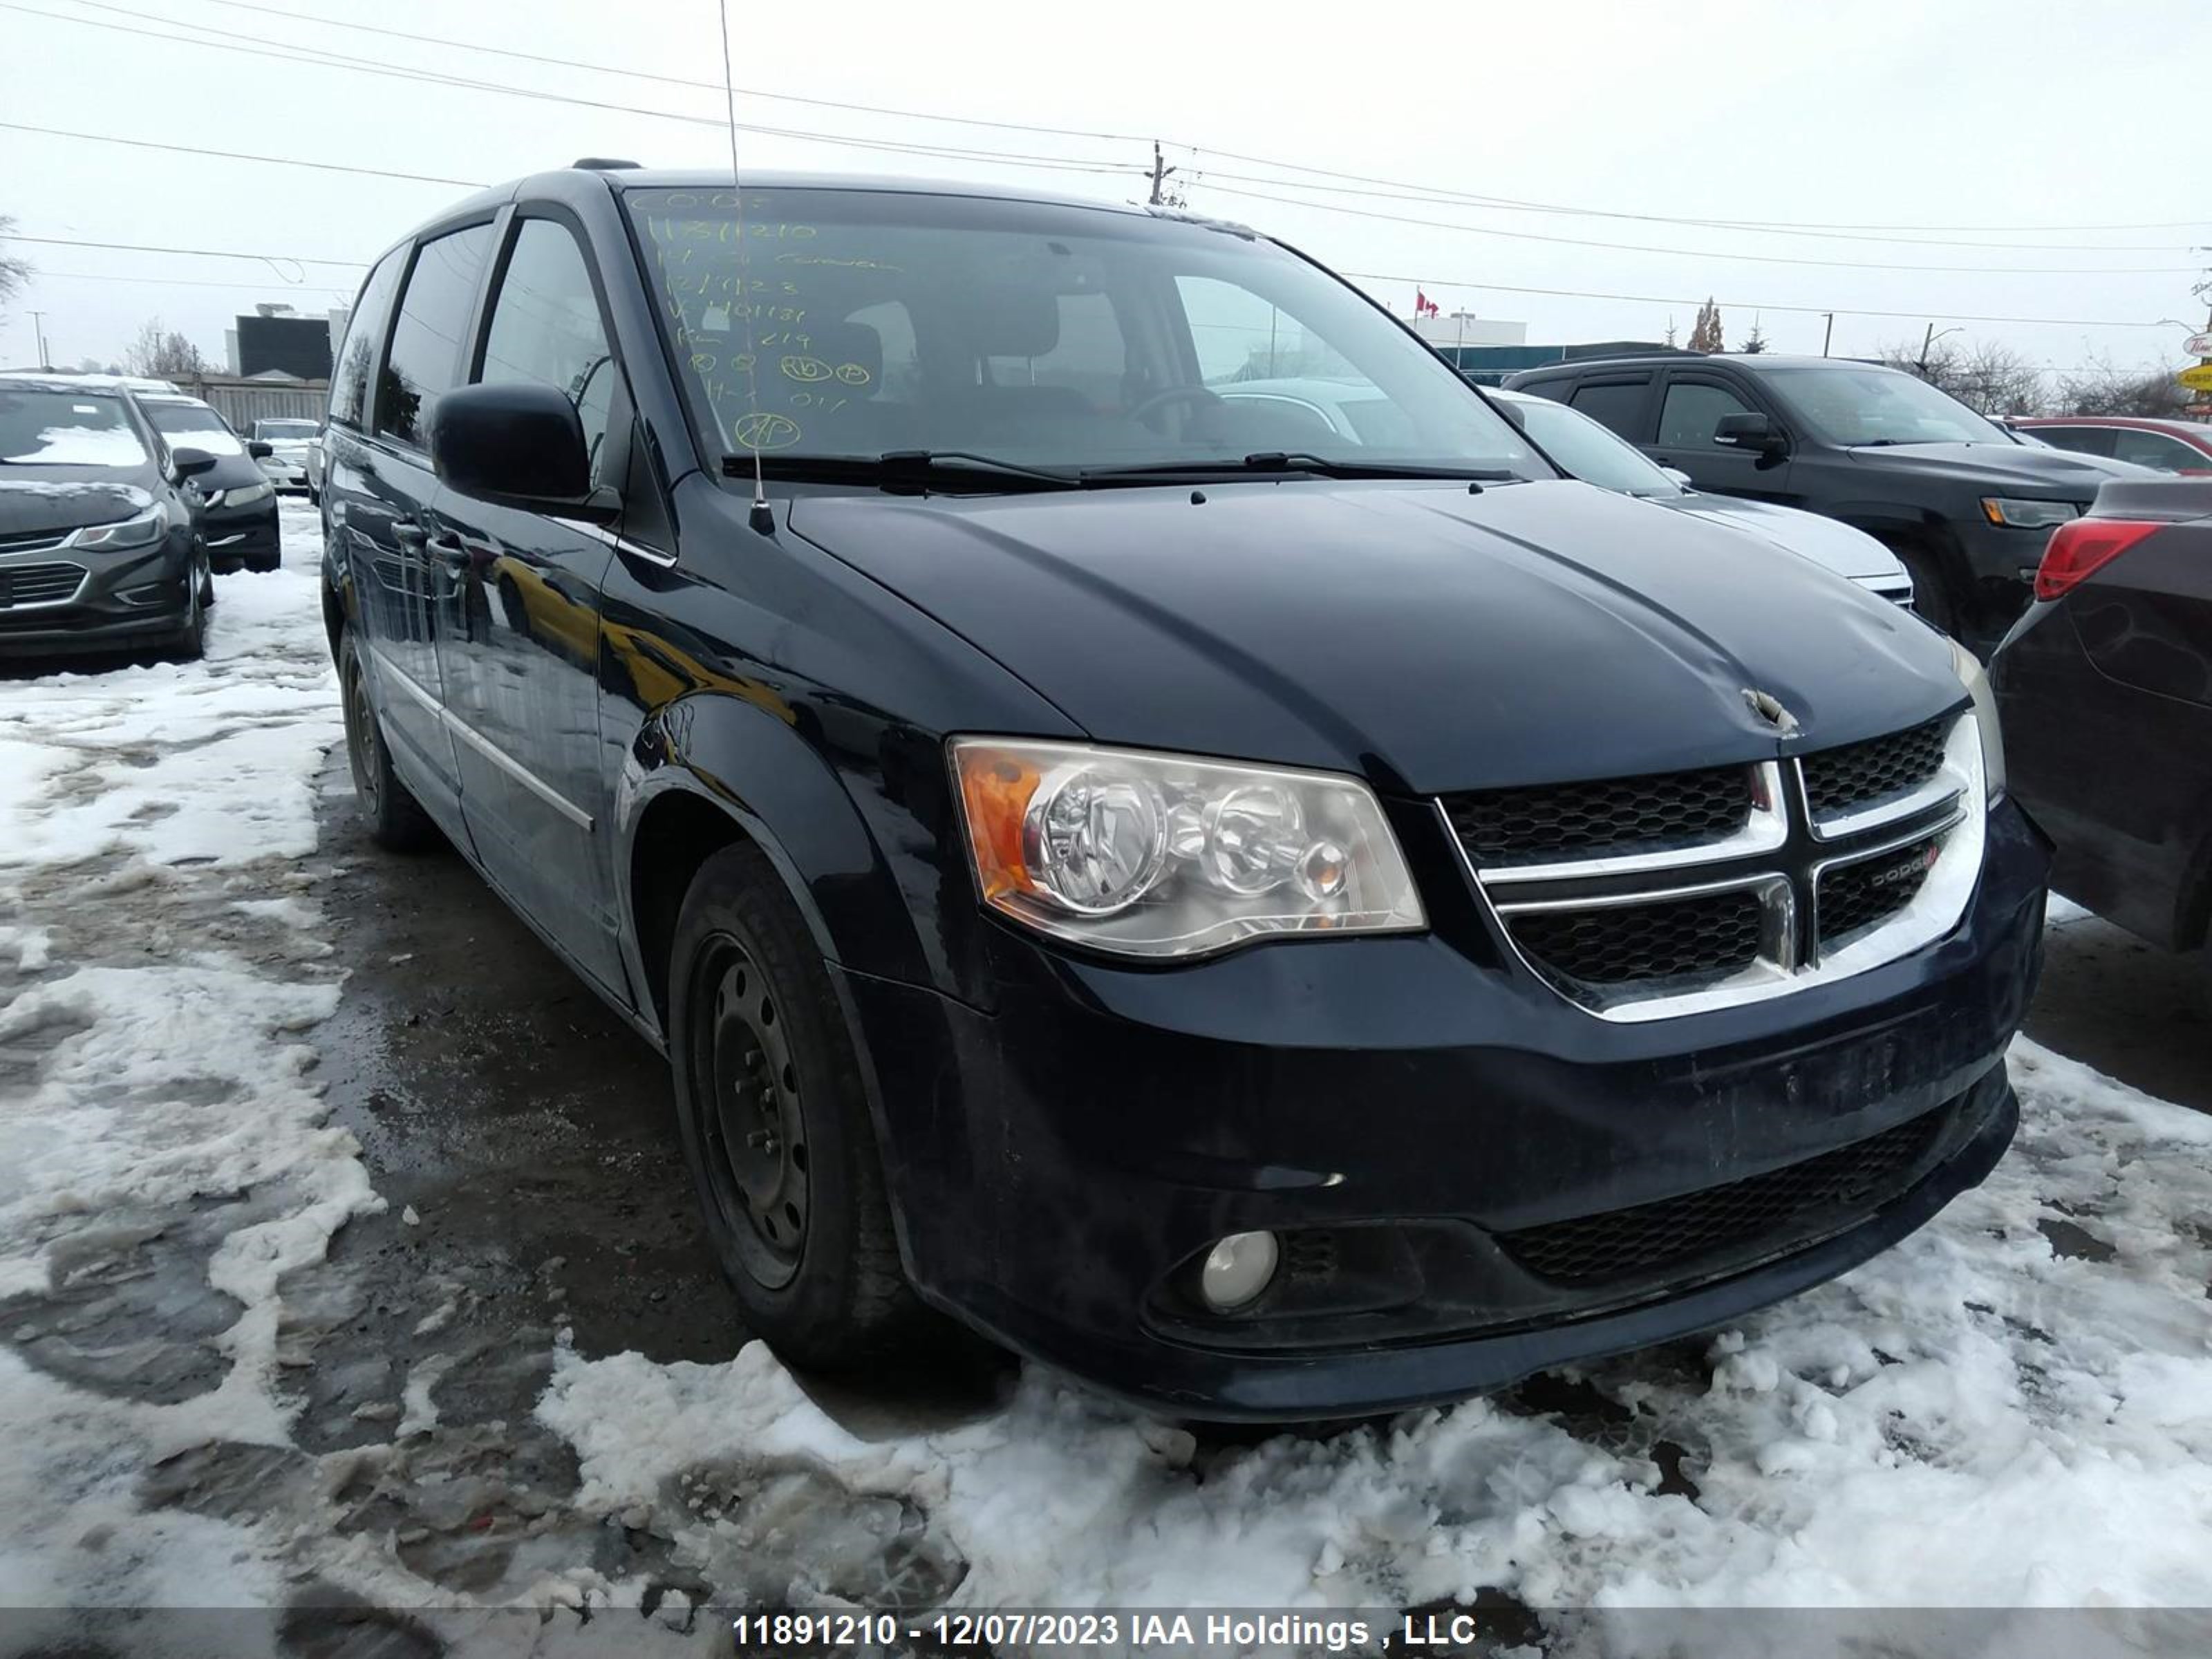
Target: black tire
x: 775, y: 1127
x: 191, y: 643
x: 1931, y: 591
x: 395, y: 818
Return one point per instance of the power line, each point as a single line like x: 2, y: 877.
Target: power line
x: 38, y: 275
x: 240, y: 155
x: 1836, y: 231
x: 1460, y: 199
x: 1701, y: 254
x: 682, y: 80
x: 1770, y: 227
x: 1918, y: 315
x: 197, y: 253
x: 1718, y: 224
x: 231, y: 45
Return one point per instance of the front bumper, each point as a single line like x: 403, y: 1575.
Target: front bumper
x: 125, y: 601
x: 1446, y: 1148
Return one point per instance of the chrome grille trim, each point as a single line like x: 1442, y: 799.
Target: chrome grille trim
x: 1764, y: 832
x: 1951, y: 811
x: 46, y: 574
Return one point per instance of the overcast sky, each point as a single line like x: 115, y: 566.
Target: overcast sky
x: 1985, y: 121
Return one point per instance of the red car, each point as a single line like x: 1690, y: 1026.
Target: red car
x: 2145, y: 440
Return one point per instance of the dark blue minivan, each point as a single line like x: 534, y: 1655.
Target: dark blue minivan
x: 1281, y: 917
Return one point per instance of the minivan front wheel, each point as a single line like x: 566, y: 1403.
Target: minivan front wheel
x: 775, y: 1127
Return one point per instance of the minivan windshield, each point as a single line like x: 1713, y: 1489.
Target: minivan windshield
x: 1851, y: 406
x: 851, y: 323
x: 41, y: 428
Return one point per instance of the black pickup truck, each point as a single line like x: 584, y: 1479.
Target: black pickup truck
x: 1283, y: 919
x: 1965, y: 503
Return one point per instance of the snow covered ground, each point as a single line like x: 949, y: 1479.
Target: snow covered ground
x: 2013, y: 1408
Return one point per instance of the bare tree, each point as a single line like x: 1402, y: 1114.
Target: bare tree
x: 14, y: 272
x: 2106, y: 388
x: 1991, y: 379
x: 1705, y: 334
x: 163, y: 352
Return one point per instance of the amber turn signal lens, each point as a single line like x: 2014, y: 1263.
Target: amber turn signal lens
x: 996, y: 787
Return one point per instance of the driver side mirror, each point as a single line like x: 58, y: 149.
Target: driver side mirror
x: 1752, y: 432
x: 518, y: 445
x: 190, y: 463
x: 258, y: 449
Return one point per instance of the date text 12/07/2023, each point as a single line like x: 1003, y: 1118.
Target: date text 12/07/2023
x: 1140, y: 1630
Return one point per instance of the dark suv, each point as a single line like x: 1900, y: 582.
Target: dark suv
x: 1280, y: 920
x: 1965, y: 505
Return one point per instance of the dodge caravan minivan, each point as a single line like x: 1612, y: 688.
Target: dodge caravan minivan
x: 1281, y: 922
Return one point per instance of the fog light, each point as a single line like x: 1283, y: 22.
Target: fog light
x: 1236, y: 1270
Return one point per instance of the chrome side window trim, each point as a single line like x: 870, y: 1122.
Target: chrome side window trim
x: 621, y: 544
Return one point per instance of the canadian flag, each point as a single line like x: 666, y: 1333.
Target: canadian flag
x: 1424, y: 306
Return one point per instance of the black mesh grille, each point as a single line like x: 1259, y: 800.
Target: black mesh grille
x: 37, y: 584
x: 1614, y: 815
x: 1860, y: 773
x: 1714, y: 933
x: 1853, y: 895
x: 1759, y: 1216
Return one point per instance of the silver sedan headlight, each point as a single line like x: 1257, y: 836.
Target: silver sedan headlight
x: 1150, y: 854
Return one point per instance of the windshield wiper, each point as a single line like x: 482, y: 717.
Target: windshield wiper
x: 1276, y: 460
x: 905, y: 469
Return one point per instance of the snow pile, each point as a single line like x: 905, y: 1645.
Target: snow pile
x: 162, y: 1156
x: 2001, y: 1412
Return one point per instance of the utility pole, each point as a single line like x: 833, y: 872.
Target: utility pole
x: 1828, y: 335
x: 39, y: 333
x: 1161, y: 174
x: 1928, y: 344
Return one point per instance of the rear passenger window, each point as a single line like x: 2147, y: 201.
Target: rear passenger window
x: 1692, y: 412
x: 2155, y: 449
x: 425, y: 360
x: 545, y: 328
x: 1617, y: 405
x: 2081, y: 439
x: 356, y: 359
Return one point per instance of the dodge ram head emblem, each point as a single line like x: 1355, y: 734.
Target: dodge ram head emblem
x: 1764, y: 705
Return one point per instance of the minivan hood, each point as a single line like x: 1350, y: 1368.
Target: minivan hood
x: 36, y: 498
x: 1829, y: 543
x: 1424, y: 636
x: 2058, y: 473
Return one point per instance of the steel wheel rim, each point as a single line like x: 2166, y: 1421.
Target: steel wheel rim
x: 750, y: 1116
x: 360, y: 742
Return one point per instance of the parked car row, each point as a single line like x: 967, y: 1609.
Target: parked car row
x: 102, y: 543
x: 1960, y: 499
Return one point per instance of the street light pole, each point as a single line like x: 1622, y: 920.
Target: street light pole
x: 39, y: 334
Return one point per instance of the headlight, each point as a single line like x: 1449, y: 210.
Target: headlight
x: 1160, y: 855
x: 2027, y: 515
x: 1969, y: 670
x: 142, y: 531
x: 248, y: 495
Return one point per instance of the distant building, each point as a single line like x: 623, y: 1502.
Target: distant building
x: 1463, y: 328
x: 277, y: 339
